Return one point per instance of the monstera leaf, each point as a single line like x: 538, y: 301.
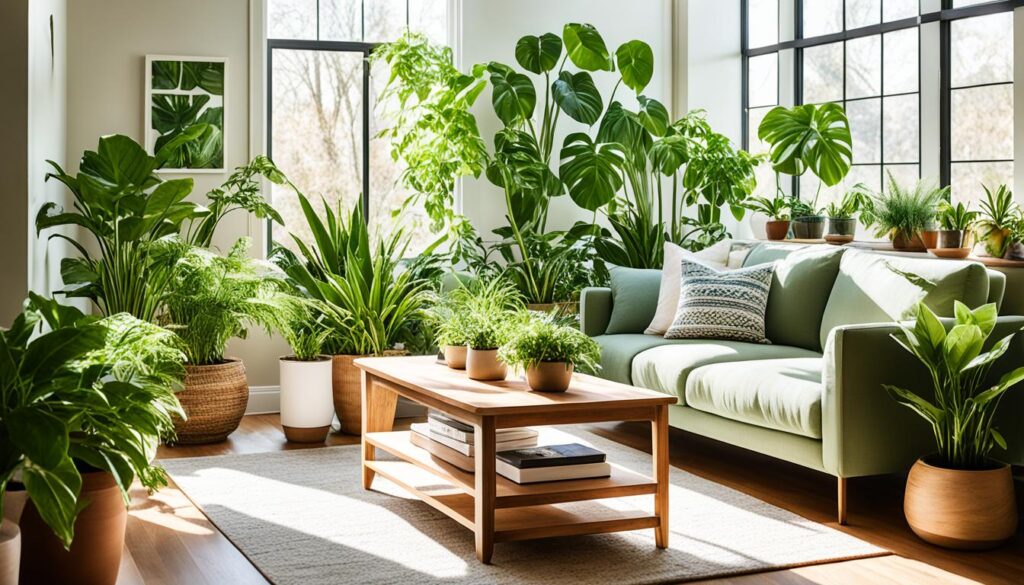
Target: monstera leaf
x: 590, y: 170
x: 669, y: 154
x: 636, y: 64
x: 539, y: 54
x: 166, y: 74
x: 205, y: 75
x: 513, y: 95
x: 653, y: 116
x: 586, y: 48
x: 176, y: 112
x: 578, y: 97
x: 809, y: 137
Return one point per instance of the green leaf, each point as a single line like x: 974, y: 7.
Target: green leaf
x: 636, y: 63
x: 653, y: 116
x: 669, y: 154
x: 998, y: 438
x: 54, y: 493
x: 963, y: 343
x: 176, y: 112
x: 809, y: 137
x: 1011, y: 378
x: 513, y: 95
x: 166, y: 74
x: 206, y: 75
x: 985, y: 317
x: 51, y: 351
x: 578, y: 97
x: 586, y: 48
x: 41, y: 436
x: 928, y: 328
x: 590, y: 171
x: 926, y: 409
x: 119, y: 160
x: 539, y: 54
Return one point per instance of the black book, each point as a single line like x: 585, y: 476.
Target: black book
x: 450, y: 421
x: 551, y: 456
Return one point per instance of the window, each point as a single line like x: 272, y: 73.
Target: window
x: 762, y: 81
x: 321, y: 125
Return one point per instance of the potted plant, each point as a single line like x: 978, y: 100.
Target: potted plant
x: 549, y: 352
x: 842, y: 214
x: 211, y: 300
x: 999, y: 214
x: 454, y: 313
x: 452, y: 336
x: 1015, y: 249
x: 80, y: 419
x: 488, y: 331
x: 902, y: 214
x: 777, y: 210
x: 808, y: 221
x: 307, y: 402
x: 959, y: 497
x: 956, y: 221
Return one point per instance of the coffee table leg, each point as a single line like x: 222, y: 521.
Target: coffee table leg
x: 659, y: 450
x: 485, y: 489
x: 378, y: 415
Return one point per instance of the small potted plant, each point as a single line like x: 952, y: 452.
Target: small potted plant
x: 307, y: 400
x: 999, y: 214
x: 808, y: 222
x: 471, y: 314
x: 777, y: 210
x: 902, y: 214
x: 959, y: 497
x: 549, y: 352
x: 842, y: 214
x: 1015, y: 250
x: 453, y: 335
x: 955, y: 221
x: 487, y: 333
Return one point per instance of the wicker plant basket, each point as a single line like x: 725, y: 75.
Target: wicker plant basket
x: 214, y: 399
x: 347, y: 388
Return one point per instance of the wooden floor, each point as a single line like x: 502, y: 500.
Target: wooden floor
x: 170, y: 542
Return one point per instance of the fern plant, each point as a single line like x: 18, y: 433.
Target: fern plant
x: 899, y: 211
x: 542, y: 339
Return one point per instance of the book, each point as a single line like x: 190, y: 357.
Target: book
x: 501, y: 435
x: 550, y: 456
x: 446, y: 454
x: 434, y: 415
x: 466, y: 448
x: 555, y: 473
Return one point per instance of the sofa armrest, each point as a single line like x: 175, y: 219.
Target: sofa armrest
x: 865, y: 431
x: 595, y: 310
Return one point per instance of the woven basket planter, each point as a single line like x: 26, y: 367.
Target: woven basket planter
x: 347, y: 388
x: 214, y: 398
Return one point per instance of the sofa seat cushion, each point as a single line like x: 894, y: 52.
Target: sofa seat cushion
x: 665, y: 368
x: 782, y: 394
x: 618, y: 351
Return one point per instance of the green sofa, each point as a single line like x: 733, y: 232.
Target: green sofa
x: 813, y: 396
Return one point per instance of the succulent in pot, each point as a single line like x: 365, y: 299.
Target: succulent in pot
x: 777, y: 210
x: 959, y: 497
x: 550, y: 351
x: 902, y: 214
x: 999, y: 214
x: 307, y: 402
x: 955, y: 222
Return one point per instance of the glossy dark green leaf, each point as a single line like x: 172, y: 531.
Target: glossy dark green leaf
x: 166, y: 74
x: 668, y: 154
x: 636, y: 64
x: 653, y: 116
x: 586, y: 48
x: 590, y: 171
x: 539, y: 54
x: 40, y: 435
x: 513, y: 95
x: 577, y: 96
x: 809, y: 137
x: 54, y: 493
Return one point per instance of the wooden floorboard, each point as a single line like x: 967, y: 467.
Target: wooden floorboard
x: 170, y: 542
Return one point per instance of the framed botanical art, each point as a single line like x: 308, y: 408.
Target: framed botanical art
x: 186, y: 97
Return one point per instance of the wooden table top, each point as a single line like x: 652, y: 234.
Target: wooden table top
x: 425, y: 375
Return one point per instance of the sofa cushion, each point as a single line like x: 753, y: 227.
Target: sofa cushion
x: 721, y: 305
x: 618, y: 351
x: 665, y: 368
x: 634, y: 299
x: 801, y: 286
x: 870, y: 289
x: 668, y: 291
x: 780, y: 394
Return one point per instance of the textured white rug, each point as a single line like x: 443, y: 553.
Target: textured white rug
x: 302, y: 517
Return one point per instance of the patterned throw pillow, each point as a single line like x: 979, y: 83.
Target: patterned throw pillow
x: 722, y: 305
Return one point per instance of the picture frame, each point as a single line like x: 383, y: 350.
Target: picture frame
x: 182, y: 92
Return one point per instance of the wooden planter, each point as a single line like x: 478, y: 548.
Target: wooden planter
x: 214, y: 399
x: 95, y: 555
x: 961, y: 509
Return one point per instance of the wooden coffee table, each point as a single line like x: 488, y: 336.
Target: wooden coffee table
x: 494, y: 508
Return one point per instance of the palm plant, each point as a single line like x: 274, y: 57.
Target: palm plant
x: 776, y: 208
x: 899, y: 212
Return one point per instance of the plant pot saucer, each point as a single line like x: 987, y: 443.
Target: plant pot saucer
x: 838, y: 239
x: 957, y: 253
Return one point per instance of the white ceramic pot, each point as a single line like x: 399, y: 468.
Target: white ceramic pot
x: 10, y: 552
x: 307, y: 400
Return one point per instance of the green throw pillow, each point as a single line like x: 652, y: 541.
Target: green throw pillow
x: 800, y: 289
x: 634, y: 299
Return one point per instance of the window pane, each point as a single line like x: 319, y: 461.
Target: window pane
x: 291, y: 19
x: 897, y: 9
x: 966, y: 179
x: 823, y: 73
x: 868, y: 175
x: 982, y: 122
x: 809, y: 191
x: 430, y: 17
x: 900, y: 68
x: 317, y: 137
x: 341, y: 20
x: 764, y: 173
x: 900, y: 126
x: 822, y: 17
x: 762, y: 22
x: 905, y: 175
x: 866, y: 128
x: 959, y: 3
x: 385, y: 20
x: 763, y: 78
x: 982, y: 49
x: 864, y: 67
x: 862, y: 13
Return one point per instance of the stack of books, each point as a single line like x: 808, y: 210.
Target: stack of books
x: 452, y: 441
x: 552, y: 463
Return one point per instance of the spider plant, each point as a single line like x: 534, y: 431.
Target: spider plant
x: 998, y: 217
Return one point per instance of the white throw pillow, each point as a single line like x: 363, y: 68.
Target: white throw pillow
x: 716, y: 256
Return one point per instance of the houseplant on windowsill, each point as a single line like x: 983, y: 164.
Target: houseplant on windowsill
x: 842, y: 214
x: 211, y: 300
x: 959, y: 497
x: 808, y: 221
x: 999, y: 214
x: 901, y: 213
x: 549, y: 352
x: 307, y: 403
x: 777, y: 210
x: 82, y: 409
x: 954, y: 237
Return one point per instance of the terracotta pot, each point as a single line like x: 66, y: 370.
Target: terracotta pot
x: 483, y: 364
x: 900, y: 241
x: 951, y: 239
x: 307, y: 400
x: 842, y: 226
x: 777, y: 229
x: 347, y: 392
x: 10, y: 552
x: 962, y: 509
x: 929, y: 238
x: 811, y: 227
x: 455, y: 356
x: 214, y: 400
x: 549, y: 376
x: 95, y: 555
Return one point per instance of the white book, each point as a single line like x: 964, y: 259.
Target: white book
x: 501, y: 435
x: 467, y: 449
x: 557, y: 473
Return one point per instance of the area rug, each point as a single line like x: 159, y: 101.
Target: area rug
x: 303, y: 517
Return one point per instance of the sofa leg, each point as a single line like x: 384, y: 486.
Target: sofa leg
x: 841, y: 498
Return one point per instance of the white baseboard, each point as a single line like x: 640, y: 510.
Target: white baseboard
x: 267, y: 400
